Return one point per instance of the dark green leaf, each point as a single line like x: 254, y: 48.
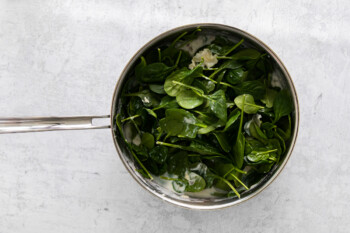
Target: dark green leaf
x: 183, y: 75
x: 178, y: 163
x: 223, y: 141
x: 217, y: 104
x: 282, y: 105
x: 155, y: 72
x: 269, y: 98
x: 256, y: 132
x: 181, y: 123
x: 204, y: 148
x: 238, y: 150
x: 232, y: 119
x: 236, y: 76
x: 157, y: 88
x: 246, y: 54
x: 139, y: 68
x: 159, y: 154
x: 147, y: 140
x: 148, y: 98
x: 255, y: 88
x: 167, y: 102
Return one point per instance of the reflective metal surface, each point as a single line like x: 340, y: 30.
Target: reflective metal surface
x: 38, y: 124
x: 197, y: 203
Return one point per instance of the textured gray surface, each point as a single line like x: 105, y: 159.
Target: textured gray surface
x: 64, y: 57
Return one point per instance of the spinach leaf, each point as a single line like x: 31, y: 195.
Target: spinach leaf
x: 257, y: 133
x: 236, y: 76
x: 246, y: 54
x: 167, y: 102
x: 282, y: 105
x: 155, y: 72
x: 139, y: 68
x: 148, y: 98
x: 188, y: 99
x: 269, y: 98
x: 285, y: 127
x: 184, y: 76
x: 204, y: 148
x: 159, y: 154
x: 157, y: 88
x: 197, y: 147
x: 147, y: 140
x: 217, y: 104
x: 232, y: 119
x: 151, y: 112
x: 181, y: 123
x: 238, y: 147
x: 222, y: 139
x: 261, y: 156
x: 196, y: 183
x: 247, y: 103
x: 178, y: 163
x: 202, y: 170
x: 223, y: 126
x: 255, y: 88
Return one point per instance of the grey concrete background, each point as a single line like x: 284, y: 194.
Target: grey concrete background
x: 64, y: 58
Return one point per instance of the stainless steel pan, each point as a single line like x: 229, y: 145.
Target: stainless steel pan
x: 38, y: 124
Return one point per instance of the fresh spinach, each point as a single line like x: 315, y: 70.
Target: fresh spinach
x: 221, y: 127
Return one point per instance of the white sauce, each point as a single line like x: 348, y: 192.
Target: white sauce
x: 198, y: 43
x: 188, y: 120
x: 168, y: 184
x: 206, y: 193
x: 136, y: 140
x: 276, y: 81
x: 127, y: 132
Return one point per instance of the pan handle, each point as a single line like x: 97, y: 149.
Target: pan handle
x: 39, y: 124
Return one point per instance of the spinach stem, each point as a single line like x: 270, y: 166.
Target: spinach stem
x: 178, y: 59
x: 160, y: 134
x: 178, y: 38
x: 130, y: 148
x: 223, y: 57
x: 210, y: 69
x: 141, y: 164
x: 130, y: 118
x: 239, y: 181
x: 188, y: 148
x: 228, y: 85
x: 223, y: 83
x: 234, y: 169
x: 201, y: 125
x: 267, y: 152
x: 215, y: 72
x: 192, y: 34
x: 229, y: 184
x: 159, y: 55
x: 234, y: 47
x: 242, y: 113
x: 137, y: 128
x: 195, y: 89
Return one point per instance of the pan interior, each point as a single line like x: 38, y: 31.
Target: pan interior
x: 279, y: 73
